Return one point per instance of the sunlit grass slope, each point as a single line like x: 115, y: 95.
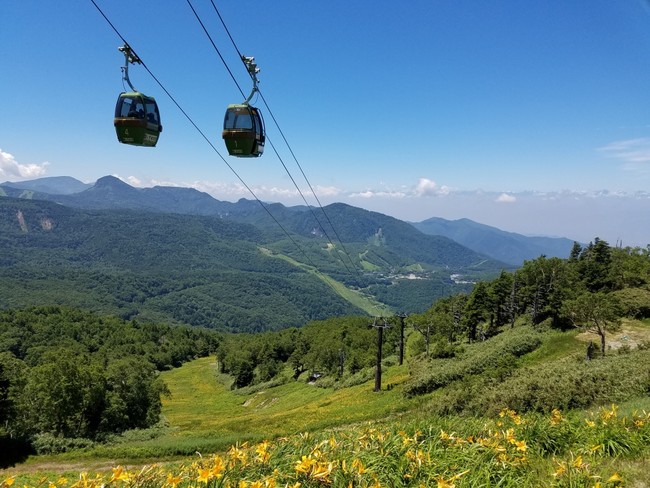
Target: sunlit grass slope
x: 358, y: 299
x: 302, y: 433
x: 203, y: 415
x: 200, y: 406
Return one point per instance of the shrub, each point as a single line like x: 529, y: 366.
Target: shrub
x: 433, y: 374
x: 569, y: 384
x: 635, y: 302
x: 47, y: 443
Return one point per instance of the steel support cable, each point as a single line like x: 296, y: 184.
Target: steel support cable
x: 223, y: 23
x: 311, y: 188
x: 214, y: 45
x: 198, y: 18
x: 191, y: 121
x: 205, y: 30
x: 308, y: 206
x: 216, y: 48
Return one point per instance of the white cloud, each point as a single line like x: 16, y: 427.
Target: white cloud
x: 10, y: 168
x: 635, y: 151
x: 427, y: 187
x: 424, y: 188
x: 363, y: 194
x: 220, y: 190
x: 151, y: 182
x: 235, y: 191
x: 377, y: 194
x: 275, y: 192
x: 327, y: 191
x: 505, y: 198
x: 132, y: 180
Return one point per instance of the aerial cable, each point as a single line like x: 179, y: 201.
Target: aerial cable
x: 310, y: 187
x: 252, y: 70
x: 246, y: 61
x: 216, y: 48
x: 203, y: 135
x: 309, y: 206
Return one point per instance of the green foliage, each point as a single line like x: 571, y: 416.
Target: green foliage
x: 429, y: 375
x: 634, y: 302
x: 48, y: 443
x: 339, y: 347
x: 541, y: 286
x: 67, y: 374
x: 594, y: 264
x: 596, y: 312
x: 567, y: 384
x: 416, y: 295
x: 63, y: 395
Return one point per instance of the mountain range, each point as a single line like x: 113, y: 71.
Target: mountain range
x: 112, y: 193
x: 178, y: 254
x: 507, y: 247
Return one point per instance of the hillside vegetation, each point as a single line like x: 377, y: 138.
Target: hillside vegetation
x: 516, y: 383
x: 298, y: 433
x: 593, y: 290
x: 232, y: 273
x: 177, y: 269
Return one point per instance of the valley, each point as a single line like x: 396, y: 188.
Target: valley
x: 185, y: 342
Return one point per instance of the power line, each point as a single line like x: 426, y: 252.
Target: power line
x: 205, y: 137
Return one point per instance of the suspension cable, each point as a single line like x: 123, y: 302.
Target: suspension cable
x: 286, y: 142
x: 207, y: 139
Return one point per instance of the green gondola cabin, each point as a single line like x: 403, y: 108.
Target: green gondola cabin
x: 137, y: 120
x: 243, y: 131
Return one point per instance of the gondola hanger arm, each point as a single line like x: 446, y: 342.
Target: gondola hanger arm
x: 251, y: 66
x: 129, y: 57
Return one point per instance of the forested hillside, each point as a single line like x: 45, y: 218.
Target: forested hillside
x: 245, y: 274
x: 180, y: 269
x: 70, y: 374
x: 462, y: 336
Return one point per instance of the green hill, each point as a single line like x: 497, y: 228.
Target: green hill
x: 394, y: 436
x: 225, y: 273
x: 174, y: 268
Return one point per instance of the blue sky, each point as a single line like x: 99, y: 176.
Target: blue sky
x: 530, y: 116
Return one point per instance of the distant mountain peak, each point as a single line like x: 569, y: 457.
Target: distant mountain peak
x: 507, y: 247
x: 111, y: 181
x: 55, y: 185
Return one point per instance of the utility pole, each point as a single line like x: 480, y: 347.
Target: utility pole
x: 380, y: 340
x: 401, y: 316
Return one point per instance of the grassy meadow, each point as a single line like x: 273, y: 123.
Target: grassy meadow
x: 302, y: 435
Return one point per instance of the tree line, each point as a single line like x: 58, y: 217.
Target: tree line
x: 592, y: 289
x: 68, y: 373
